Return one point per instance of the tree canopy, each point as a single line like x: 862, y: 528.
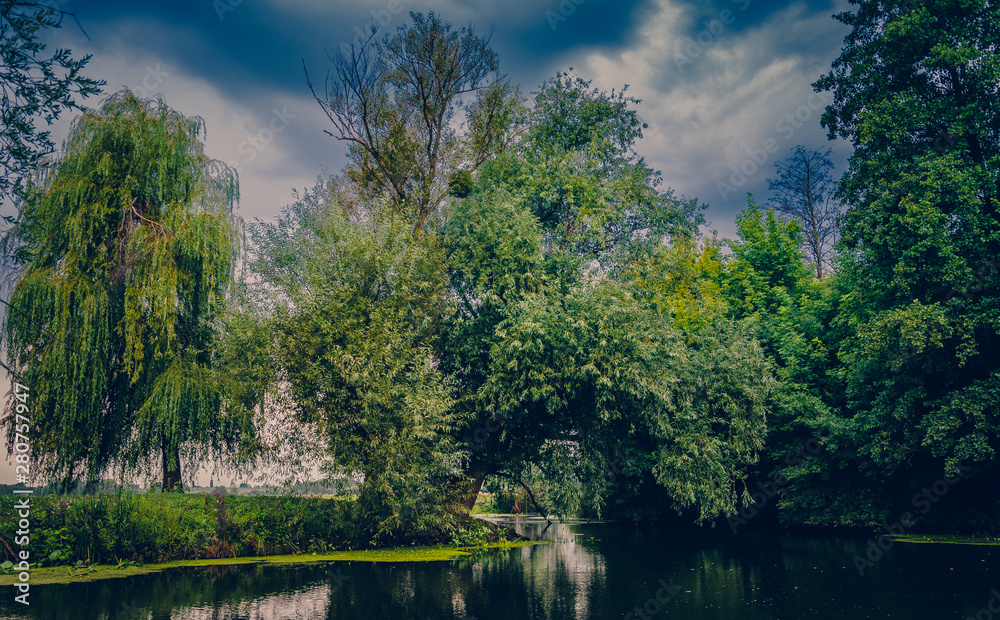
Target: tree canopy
x: 915, y: 91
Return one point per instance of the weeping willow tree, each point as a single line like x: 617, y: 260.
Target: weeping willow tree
x: 126, y: 246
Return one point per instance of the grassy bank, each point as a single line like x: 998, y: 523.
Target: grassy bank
x: 125, y: 528
x: 67, y: 574
x: 948, y: 539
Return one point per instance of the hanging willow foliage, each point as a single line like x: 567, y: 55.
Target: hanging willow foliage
x: 128, y: 244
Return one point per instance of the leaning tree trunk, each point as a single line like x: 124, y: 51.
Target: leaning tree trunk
x: 171, y: 466
x: 472, y: 491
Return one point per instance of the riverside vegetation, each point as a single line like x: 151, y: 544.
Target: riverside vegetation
x: 124, y: 529
x: 498, y: 293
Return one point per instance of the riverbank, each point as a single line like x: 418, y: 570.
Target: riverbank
x: 125, y: 528
x: 947, y: 539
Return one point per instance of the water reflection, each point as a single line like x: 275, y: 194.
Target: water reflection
x: 312, y: 602
x: 589, y: 571
x: 562, y: 576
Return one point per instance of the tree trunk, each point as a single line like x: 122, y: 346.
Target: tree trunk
x: 472, y: 492
x: 68, y: 485
x: 531, y: 496
x: 171, y: 466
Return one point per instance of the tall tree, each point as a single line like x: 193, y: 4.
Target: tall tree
x: 570, y: 189
x: 562, y: 367
x: 394, y: 100
x: 128, y: 247
x: 768, y: 268
x: 915, y: 91
x: 805, y: 190
x: 769, y: 286
x: 563, y: 375
x: 356, y: 299
x: 32, y: 85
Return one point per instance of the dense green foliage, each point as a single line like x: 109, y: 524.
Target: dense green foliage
x: 355, y: 301
x: 918, y: 290
x: 524, y: 306
x: 561, y: 368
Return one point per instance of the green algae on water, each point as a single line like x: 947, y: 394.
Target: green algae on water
x: 68, y: 574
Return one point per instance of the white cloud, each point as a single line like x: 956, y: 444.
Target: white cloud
x: 705, y: 114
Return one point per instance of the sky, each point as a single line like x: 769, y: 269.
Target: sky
x: 725, y: 85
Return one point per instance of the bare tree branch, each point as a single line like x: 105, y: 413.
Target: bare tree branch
x: 805, y: 190
x: 394, y: 99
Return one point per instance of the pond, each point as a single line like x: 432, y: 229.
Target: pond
x: 588, y: 571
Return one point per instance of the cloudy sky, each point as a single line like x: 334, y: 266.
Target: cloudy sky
x: 725, y: 84
x: 719, y: 81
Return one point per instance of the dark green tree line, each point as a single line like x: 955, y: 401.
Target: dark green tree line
x: 915, y: 92
x: 516, y: 298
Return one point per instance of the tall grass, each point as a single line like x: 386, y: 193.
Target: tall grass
x: 109, y: 528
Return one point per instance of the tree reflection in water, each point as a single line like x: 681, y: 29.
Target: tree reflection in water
x: 589, y: 571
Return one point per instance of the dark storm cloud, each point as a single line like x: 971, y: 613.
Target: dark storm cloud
x: 712, y: 92
x: 714, y: 100
x: 749, y: 14
x: 248, y: 50
x: 257, y: 46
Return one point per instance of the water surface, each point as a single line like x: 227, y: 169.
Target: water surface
x: 589, y: 571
